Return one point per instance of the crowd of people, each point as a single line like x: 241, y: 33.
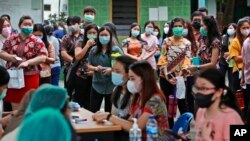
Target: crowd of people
x: 193, y: 62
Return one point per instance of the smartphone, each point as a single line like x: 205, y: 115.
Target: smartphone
x: 75, y: 117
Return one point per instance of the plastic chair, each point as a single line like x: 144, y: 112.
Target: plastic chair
x: 182, y: 123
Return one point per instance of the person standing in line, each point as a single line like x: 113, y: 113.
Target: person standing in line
x: 152, y: 43
x: 242, y: 32
x: 56, y: 67
x: 245, y: 81
x: 225, y: 62
x: 45, y: 72
x: 68, y: 48
x: 100, y: 61
x: 83, y: 79
x: 134, y: 46
x: 178, y: 58
x: 5, y: 33
x: 32, y: 52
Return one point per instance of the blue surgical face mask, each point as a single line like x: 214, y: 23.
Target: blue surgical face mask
x: 203, y: 32
x: 91, y: 36
x: 177, y: 31
x: 89, y: 18
x: 40, y: 37
x: 117, y: 79
x: 104, y: 40
x: 230, y: 31
x: 149, y: 30
x: 135, y: 33
x: 2, y: 96
x: 27, y: 30
x: 185, y: 32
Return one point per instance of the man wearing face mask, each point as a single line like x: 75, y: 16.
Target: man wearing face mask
x: 3, y: 89
x: 196, y: 19
x: 89, y: 14
x: 68, y: 46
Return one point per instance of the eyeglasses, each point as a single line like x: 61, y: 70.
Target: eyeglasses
x: 195, y: 89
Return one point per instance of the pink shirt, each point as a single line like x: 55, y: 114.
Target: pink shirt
x: 246, y: 59
x: 221, y: 123
x: 152, y: 41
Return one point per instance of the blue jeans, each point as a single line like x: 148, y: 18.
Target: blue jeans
x: 55, y: 75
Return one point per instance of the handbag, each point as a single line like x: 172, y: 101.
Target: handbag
x: 71, y: 74
x: 240, y: 99
x: 16, y: 78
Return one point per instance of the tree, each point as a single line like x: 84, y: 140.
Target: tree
x: 53, y: 18
x: 225, y: 11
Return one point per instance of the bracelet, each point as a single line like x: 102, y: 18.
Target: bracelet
x: 109, y: 116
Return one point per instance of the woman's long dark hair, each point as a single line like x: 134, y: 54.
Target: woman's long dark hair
x: 139, y: 36
x: 113, y: 30
x: 126, y: 61
x: 39, y: 27
x: 170, y: 33
x: 212, y: 29
x: 86, y: 29
x: 99, y: 45
x: 190, y: 37
x: 238, y: 32
x: 218, y: 80
x: 149, y: 84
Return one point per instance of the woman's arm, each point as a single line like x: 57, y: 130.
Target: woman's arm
x: 125, y: 124
x: 151, y: 53
x: 51, y: 58
x: 8, y: 57
x: 125, y: 50
x: 81, y: 52
x: 34, y: 61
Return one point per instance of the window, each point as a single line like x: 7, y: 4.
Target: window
x: 47, y: 7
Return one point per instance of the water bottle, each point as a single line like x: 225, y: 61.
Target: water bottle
x: 135, y: 132
x: 152, y: 129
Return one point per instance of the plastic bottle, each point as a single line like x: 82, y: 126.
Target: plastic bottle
x: 152, y: 129
x: 135, y: 132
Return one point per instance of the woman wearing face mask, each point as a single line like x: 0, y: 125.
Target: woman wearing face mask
x: 217, y: 107
x: 147, y: 100
x: 157, y: 33
x: 32, y: 52
x: 152, y: 44
x: 209, y: 50
x: 178, y: 54
x: 189, y: 34
x: 45, y: 72
x: 167, y: 32
x: 121, y: 96
x: 5, y: 30
x: 224, y: 62
x: 134, y: 45
x: 100, y: 61
x: 83, y: 79
x: 235, y: 48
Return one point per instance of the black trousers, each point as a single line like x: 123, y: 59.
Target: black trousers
x: 225, y: 69
x: 69, y: 89
x: 82, y: 90
x: 190, y: 97
x: 168, y: 89
x: 96, y: 101
x: 236, y: 81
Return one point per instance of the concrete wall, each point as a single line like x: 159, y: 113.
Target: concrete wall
x: 18, y: 8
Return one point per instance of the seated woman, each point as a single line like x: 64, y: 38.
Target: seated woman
x: 121, y: 97
x: 217, y: 107
x: 147, y: 100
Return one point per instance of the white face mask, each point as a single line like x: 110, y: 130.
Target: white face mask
x: 132, y: 87
x: 245, y: 32
x: 166, y: 29
x: 155, y: 33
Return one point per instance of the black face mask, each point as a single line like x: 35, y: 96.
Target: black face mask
x: 196, y: 25
x: 203, y: 101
